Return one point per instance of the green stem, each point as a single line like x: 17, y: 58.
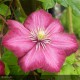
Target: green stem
x: 70, y: 20
x: 3, y: 19
x: 21, y: 9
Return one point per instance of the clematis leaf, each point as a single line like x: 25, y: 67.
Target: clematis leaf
x: 71, y: 59
x: 19, y: 16
x: 11, y: 64
x: 9, y: 58
x: 68, y: 69
x: 75, y: 5
x: 4, y: 10
x: 78, y: 70
x: 63, y: 2
x: 16, y: 70
x: 7, y: 70
x: 78, y: 67
x: 76, y: 23
x: 47, y: 4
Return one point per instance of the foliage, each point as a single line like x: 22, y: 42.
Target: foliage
x: 47, y: 4
x: 4, y: 9
x: 11, y: 10
x: 75, y: 5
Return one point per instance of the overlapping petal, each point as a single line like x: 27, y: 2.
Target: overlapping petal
x: 50, y: 59
x: 17, y: 27
x: 65, y: 41
x: 34, y: 59
x: 54, y: 59
x: 17, y: 39
x: 54, y: 27
x: 38, y: 19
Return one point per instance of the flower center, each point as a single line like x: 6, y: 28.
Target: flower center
x: 41, y: 35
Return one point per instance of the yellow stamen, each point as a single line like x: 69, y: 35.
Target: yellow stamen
x: 41, y: 35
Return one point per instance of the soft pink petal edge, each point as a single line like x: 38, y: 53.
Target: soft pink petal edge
x: 54, y: 27
x: 38, y: 19
x: 16, y: 39
x: 65, y: 41
x: 32, y: 60
x: 54, y: 59
x: 15, y: 25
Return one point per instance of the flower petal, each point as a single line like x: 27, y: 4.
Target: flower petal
x: 17, y: 39
x: 65, y: 41
x: 38, y: 19
x: 15, y: 25
x: 54, y: 59
x: 55, y: 27
x: 32, y: 60
x: 17, y: 44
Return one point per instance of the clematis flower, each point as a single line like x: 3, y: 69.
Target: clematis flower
x: 39, y: 43
x: 2, y: 68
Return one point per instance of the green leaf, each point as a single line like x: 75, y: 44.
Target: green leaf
x: 76, y: 23
x: 68, y: 70
x: 75, y: 5
x: 19, y: 16
x: 17, y: 73
x: 16, y: 70
x: 78, y: 67
x: 63, y: 2
x: 7, y: 71
x: 47, y: 4
x: 9, y: 57
x: 78, y: 70
x: 4, y: 10
x: 71, y: 59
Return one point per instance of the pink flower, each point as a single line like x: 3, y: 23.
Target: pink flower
x: 2, y: 68
x: 40, y: 42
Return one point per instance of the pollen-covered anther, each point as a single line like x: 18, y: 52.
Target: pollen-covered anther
x: 41, y: 35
